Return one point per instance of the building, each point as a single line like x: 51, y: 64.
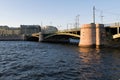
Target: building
x: 7, y: 31
x: 13, y: 31
x: 3, y: 30
x: 30, y: 29
x: 49, y: 29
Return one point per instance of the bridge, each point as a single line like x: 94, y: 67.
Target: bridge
x: 60, y: 36
x: 89, y: 34
x: 113, y: 30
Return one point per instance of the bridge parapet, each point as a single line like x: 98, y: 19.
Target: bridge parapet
x: 112, y: 25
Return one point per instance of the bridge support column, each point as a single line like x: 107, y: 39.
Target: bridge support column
x: 100, y: 35
x: 40, y: 36
x: 92, y: 35
x: 88, y: 35
x: 117, y: 30
x: 23, y: 37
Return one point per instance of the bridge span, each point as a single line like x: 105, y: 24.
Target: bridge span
x: 113, y: 30
x: 90, y: 34
x: 58, y: 36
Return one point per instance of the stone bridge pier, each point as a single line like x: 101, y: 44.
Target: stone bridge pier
x: 92, y: 35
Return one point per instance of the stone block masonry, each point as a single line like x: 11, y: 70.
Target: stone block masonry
x: 92, y: 35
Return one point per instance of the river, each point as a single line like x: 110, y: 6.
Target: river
x: 22, y: 60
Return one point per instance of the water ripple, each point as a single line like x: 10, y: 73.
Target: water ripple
x: 45, y: 61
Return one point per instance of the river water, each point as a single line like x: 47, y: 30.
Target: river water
x: 21, y: 60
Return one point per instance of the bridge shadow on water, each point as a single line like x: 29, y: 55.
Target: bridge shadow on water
x: 31, y: 38
x: 62, y: 42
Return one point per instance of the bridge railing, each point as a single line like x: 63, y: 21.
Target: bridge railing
x: 117, y: 24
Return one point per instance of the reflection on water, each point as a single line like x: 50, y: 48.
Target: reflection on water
x: 104, y: 63
x: 90, y: 55
x: 45, y: 61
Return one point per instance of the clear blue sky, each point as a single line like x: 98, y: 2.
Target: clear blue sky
x: 56, y: 12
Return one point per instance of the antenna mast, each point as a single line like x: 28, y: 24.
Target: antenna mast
x: 93, y: 14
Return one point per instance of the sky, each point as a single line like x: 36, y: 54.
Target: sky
x: 59, y: 13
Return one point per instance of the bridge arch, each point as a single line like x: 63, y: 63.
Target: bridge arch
x: 61, y: 37
x: 63, y: 34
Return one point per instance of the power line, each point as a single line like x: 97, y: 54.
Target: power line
x: 107, y: 12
